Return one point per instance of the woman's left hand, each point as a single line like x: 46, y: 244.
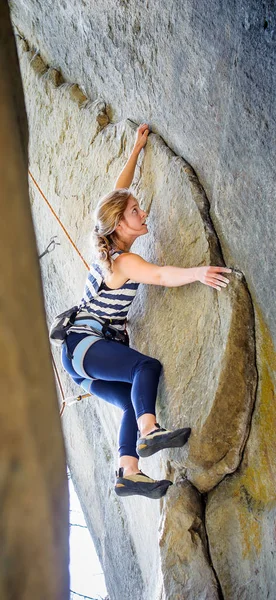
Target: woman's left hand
x: 141, y: 136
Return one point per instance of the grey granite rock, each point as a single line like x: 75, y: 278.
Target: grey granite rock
x: 241, y: 511
x: 203, y: 75
x: 184, y: 552
x: 76, y: 160
x: 205, y: 340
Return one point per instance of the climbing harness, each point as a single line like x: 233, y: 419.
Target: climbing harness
x: 99, y: 327
x: 67, y: 322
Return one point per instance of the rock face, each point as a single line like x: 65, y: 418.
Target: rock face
x: 184, y: 555
x: 203, y: 76
x: 211, y: 345
x: 241, y: 513
x: 207, y: 343
x: 33, y: 486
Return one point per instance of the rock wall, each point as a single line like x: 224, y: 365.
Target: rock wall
x: 216, y: 528
x: 203, y: 75
x: 34, y: 553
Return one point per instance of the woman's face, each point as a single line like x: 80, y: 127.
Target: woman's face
x: 133, y: 223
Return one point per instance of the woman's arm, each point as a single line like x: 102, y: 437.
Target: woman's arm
x: 132, y: 266
x: 126, y: 176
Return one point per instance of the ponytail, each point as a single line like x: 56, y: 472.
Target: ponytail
x: 109, y: 211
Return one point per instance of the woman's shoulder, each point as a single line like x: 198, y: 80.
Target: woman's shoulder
x: 118, y: 279
x: 115, y: 253
x: 133, y: 266
x: 123, y: 253
x: 120, y: 256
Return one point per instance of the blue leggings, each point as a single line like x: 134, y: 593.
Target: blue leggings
x: 123, y: 377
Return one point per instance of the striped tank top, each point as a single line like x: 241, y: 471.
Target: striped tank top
x: 104, y: 302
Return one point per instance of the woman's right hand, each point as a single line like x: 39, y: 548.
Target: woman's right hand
x: 141, y: 137
x: 213, y: 277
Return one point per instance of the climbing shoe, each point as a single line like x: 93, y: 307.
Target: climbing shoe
x: 160, y: 438
x: 140, y: 484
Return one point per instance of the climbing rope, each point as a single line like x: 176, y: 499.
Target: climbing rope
x: 59, y: 385
x: 58, y: 219
x: 72, y: 399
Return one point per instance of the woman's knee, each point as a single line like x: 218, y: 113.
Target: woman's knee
x: 151, y: 363
x: 157, y: 365
x: 114, y: 392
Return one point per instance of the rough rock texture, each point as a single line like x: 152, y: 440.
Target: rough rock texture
x: 182, y: 531
x: 216, y: 326
x: 203, y: 75
x: 204, y: 339
x: 33, y: 484
x: 241, y: 513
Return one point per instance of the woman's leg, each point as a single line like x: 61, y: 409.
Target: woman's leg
x: 111, y: 361
x: 119, y: 394
x: 127, y: 379
x: 129, y: 480
x: 111, y: 365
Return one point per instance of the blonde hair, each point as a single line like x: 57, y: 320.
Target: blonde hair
x: 108, y: 213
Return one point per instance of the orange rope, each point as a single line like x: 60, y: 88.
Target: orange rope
x: 87, y: 266
x: 60, y: 387
x: 52, y: 210
x: 62, y: 409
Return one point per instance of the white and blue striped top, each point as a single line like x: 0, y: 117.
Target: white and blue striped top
x: 104, y: 302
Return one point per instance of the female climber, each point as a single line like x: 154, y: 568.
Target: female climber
x: 112, y: 370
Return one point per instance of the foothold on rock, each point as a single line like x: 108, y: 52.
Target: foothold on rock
x: 55, y: 77
x: 77, y: 95
x: 184, y: 547
x: 38, y: 64
x: 23, y: 43
x: 103, y: 119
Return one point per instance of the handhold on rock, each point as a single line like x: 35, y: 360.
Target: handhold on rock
x: 77, y: 95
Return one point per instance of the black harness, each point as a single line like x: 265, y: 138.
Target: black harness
x: 63, y: 322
